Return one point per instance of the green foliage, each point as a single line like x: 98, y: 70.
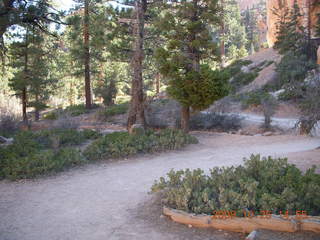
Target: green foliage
x: 254, y: 98
x: 235, y: 67
x: 250, y: 21
x: 46, y: 151
x: 31, y: 60
x: 261, y: 184
x: 234, y: 36
x: 318, y: 26
x: 122, y: 144
x: 184, y: 59
x: 292, y: 70
x: 76, y: 110
x: 38, y: 163
x: 242, y: 79
x: 113, y: 110
x: 50, y: 116
x: 8, y: 124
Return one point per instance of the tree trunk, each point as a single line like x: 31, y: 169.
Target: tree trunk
x: 185, y: 116
x: 158, y: 83
x: 24, y: 106
x: 222, y: 33
x: 36, y: 110
x: 24, y: 90
x: 136, y: 112
x: 87, y: 55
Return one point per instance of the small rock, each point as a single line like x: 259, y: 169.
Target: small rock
x: 137, y: 129
x: 2, y: 140
x: 252, y: 235
x: 258, y: 135
x: 266, y: 134
x: 245, y: 69
x: 189, y: 225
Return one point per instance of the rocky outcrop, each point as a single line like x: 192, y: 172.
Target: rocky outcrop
x: 163, y: 113
x: 272, y: 19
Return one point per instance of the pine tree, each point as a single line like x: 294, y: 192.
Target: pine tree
x: 318, y: 26
x: 235, y: 34
x: 291, y: 36
x: 136, y: 111
x: 182, y: 60
x: 32, y: 81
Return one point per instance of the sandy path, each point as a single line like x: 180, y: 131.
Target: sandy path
x: 96, y: 201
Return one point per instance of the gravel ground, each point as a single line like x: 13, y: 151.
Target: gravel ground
x: 111, y: 200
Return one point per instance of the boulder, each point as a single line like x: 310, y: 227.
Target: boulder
x: 267, y: 134
x: 2, y: 140
x: 5, y: 141
x: 162, y: 113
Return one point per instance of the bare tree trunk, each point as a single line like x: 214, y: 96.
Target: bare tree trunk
x: 86, y: 36
x: 24, y: 106
x: 192, y: 53
x: 158, y: 83
x: 36, y: 110
x: 222, y: 33
x: 185, y: 116
x: 136, y: 112
x: 24, y: 90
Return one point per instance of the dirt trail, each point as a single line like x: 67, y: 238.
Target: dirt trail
x: 107, y: 200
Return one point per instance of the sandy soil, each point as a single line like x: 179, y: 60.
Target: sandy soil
x: 111, y: 200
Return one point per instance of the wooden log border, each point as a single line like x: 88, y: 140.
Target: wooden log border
x: 245, y: 225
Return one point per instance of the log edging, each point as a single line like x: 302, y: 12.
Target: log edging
x: 245, y: 225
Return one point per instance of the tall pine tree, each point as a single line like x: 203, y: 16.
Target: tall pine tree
x: 183, y: 59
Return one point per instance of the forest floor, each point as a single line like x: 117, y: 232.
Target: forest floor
x: 110, y: 200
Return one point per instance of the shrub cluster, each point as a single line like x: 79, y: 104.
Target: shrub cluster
x: 261, y: 184
x: 8, y: 124
x: 113, y: 110
x: 36, y: 153
x: 122, y: 144
x: 76, y: 110
x: 48, y: 151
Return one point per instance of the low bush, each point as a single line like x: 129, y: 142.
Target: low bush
x: 221, y: 122
x: 235, y: 67
x: 242, y: 79
x: 35, y: 153
x: 8, y: 125
x: 50, y: 116
x: 113, y: 110
x: 76, y: 110
x: 38, y: 163
x: 261, y: 184
x: 64, y: 137
x: 122, y: 144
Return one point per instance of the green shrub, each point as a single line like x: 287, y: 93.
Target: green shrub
x: 122, y: 144
x: 242, y: 79
x: 36, y: 153
x: 8, y: 124
x: 261, y: 184
x: 39, y: 163
x: 63, y: 137
x: 113, y: 110
x: 235, y: 67
x: 50, y: 116
x: 76, y: 110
